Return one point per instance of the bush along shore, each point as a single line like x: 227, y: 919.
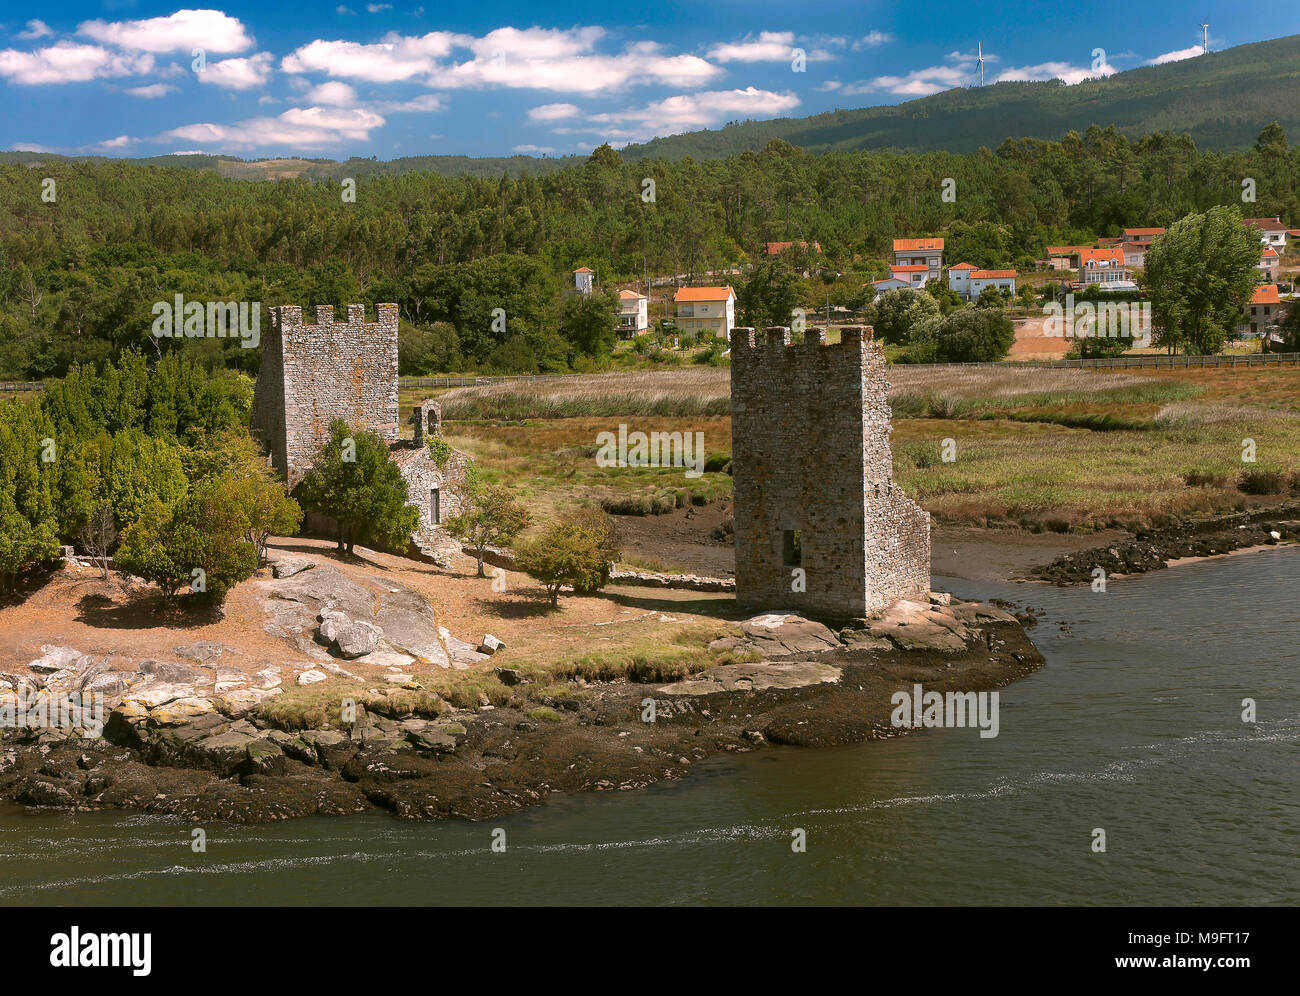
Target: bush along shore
x: 1153, y: 550
x: 787, y: 680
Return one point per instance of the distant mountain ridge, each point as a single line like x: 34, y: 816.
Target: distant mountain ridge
x: 1222, y: 100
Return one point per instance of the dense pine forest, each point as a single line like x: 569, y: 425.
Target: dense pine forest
x: 82, y: 266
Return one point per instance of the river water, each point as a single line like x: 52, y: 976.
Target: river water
x: 1134, y: 726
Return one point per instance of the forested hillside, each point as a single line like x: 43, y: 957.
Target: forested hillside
x: 79, y: 275
x: 1220, y: 100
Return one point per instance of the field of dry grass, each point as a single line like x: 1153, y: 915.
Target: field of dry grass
x: 1043, y: 449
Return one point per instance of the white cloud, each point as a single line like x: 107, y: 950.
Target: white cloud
x: 534, y: 149
x: 185, y: 30
x: 427, y: 102
x: 562, y: 61
x: 35, y: 29
x: 333, y: 93
x: 1063, y: 71
x: 1177, y: 55
x: 110, y: 144
x: 389, y: 61
x: 378, y: 8
x: 769, y: 46
x: 695, y: 110
x: 830, y: 86
x: 152, y: 91
x: 31, y: 147
x: 919, y: 82
x: 872, y: 39
x: 554, y: 112
x: 238, y: 74
x: 296, y: 128
x: 69, y: 62
x: 340, y: 9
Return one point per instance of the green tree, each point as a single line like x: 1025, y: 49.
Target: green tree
x: 1199, y: 276
x: 590, y: 322
x: 768, y: 297
x: 489, y: 515
x: 354, y: 482
x: 578, y: 550
x: 201, y: 543
x: 896, y: 312
x: 971, y: 335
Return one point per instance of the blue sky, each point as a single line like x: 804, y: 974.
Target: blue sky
x: 120, y: 77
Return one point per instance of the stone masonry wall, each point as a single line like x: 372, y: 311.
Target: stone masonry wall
x: 810, y: 431
x: 312, y: 374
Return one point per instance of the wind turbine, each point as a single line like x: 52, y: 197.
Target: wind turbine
x: 1205, y: 39
x: 979, y: 46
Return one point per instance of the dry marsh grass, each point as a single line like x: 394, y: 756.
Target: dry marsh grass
x: 707, y: 391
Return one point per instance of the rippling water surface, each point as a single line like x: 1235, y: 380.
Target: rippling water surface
x: 1133, y: 726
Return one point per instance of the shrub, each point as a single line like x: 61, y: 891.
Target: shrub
x: 1261, y: 482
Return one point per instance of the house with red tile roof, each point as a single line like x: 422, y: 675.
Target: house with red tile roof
x: 969, y: 281
x: 706, y: 309
x: 1265, y: 309
x: 582, y: 278
x: 1136, y: 242
x: 1272, y: 232
x: 1103, y: 265
x: 926, y: 252
x: 1268, y: 262
x: 776, y: 248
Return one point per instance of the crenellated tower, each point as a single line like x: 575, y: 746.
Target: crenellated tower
x: 813, y: 478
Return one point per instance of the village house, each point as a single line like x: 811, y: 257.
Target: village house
x: 1268, y: 260
x: 1136, y: 242
x: 969, y: 281
x: 915, y: 275
x: 1272, y: 232
x: 927, y: 253
x: 888, y: 284
x: 1105, y: 266
x: 582, y: 278
x: 1265, y: 309
x: 633, y: 313
x: 706, y: 309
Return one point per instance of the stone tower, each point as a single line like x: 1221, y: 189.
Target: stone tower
x: 313, y: 374
x: 813, y: 479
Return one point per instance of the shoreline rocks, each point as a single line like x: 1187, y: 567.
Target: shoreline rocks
x: 167, y: 749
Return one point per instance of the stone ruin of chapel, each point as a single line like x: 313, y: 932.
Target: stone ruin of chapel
x: 814, y: 480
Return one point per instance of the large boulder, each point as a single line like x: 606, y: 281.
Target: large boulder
x: 754, y: 678
x: 774, y: 634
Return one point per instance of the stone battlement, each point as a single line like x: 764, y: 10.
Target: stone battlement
x: 852, y: 338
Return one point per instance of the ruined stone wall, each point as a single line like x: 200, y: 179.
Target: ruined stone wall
x: 312, y: 374
x: 810, y: 430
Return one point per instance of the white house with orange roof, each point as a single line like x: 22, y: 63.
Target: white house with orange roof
x: 1268, y: 261
x: 1272, y: 232
x: 1104, y: 265
x: 888, y: 284
x: 582, y: 278
x: 633, y: 313
x: 1265, y: 309
x: 969, y: 281
x: 706, y: 309
x: 913, y: 274
x: 920, y: 252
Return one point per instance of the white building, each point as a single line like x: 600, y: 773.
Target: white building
x: 927, y: 253
x: 1103, y: 266
x: 706, y: 309
x: 633, y: 313
x: 582, y: 278
x: 1268, y: 260
x: 969, y: 281
x: 1272, y: 232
